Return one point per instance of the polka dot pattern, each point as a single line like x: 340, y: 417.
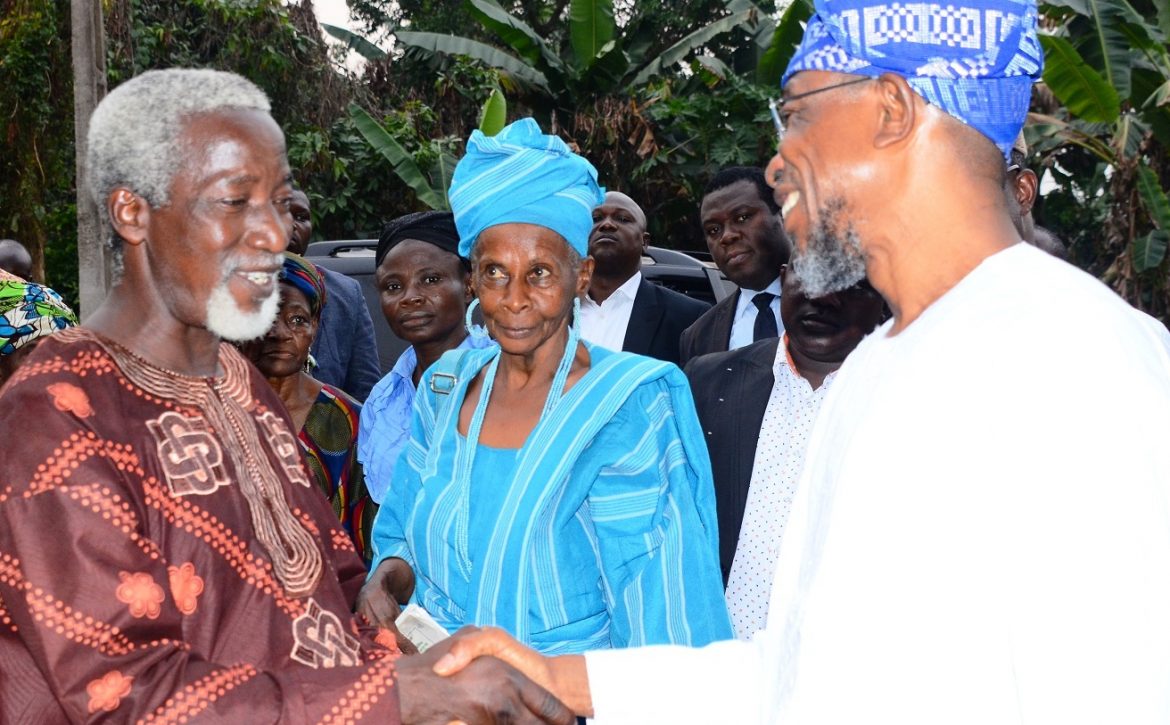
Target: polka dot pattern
x: 788, y: 420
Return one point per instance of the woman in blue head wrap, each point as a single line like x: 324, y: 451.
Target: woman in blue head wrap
x: 325, y: 417
x: 555, y: 489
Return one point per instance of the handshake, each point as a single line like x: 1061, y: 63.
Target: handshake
x: 477, y: 675
x: 486, y: 676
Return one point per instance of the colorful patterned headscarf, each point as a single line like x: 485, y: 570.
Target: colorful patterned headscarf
x: 974, y: 59
x: 522, y: 175
x: 304, y: 275
x: 28, y: 312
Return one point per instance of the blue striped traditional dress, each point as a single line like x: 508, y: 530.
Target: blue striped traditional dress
x: 599, y: 532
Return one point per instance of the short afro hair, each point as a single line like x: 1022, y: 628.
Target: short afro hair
x: 134, y: 134
x: 734, y: 174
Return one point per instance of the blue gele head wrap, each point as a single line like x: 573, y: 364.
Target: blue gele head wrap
x: 974, y: 59
x: 522, y: 175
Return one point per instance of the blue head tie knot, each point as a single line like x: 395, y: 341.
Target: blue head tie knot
x: 974, y: 59
x: 521, y: 175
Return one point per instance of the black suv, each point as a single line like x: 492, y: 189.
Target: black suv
x: 355, y: 258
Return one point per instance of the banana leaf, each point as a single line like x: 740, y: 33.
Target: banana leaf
x: 355, y: 42
x: 687, y: 45
x: 1148, y: 251
x: 1082, y: 89
x: 403, y: 163
x: 455, y: 45
x: 495, y: 114
x: 591, y: 26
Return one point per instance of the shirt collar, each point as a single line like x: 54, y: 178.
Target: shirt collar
x: 404, y: 367
x: 791, y: 365
x: 629, y: 290
x: 746, y: 295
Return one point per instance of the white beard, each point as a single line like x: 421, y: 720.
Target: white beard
x: 228, y: 322
x: 833, y: 259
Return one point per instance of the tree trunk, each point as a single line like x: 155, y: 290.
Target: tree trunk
x: 89, y: 86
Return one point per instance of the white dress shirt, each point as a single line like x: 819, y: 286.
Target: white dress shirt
x: 784, y: 433
x: 981, y: 533
x: 605, y: 324
x: 744, y: 323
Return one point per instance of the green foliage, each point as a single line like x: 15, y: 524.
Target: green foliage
x: 521, y: 74
x: 591, y: 27
x: 1082, y: 89
x: 687, y: 45
x: 276, y: 46
x: 1154, y: 197
x: 1108, y: 61
x: 36, y: 143
x: 782, y: 46
x: 556, y: 73
x: 695, y: 126
x: 495, y: 114
x: 355, y: 42
x: 434, y: 196
x: 1148, y: 251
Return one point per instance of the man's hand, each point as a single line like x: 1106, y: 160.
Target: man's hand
x: 564, y: 676
x: 484, y: 691
x: 391, y: 582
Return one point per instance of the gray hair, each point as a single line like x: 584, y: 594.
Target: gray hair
x: 134, y: 134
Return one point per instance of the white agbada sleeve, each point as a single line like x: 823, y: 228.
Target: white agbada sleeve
x: 724, y: 682
x: 982, y: 533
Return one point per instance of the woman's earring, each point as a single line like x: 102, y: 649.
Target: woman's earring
x: 473, y: 329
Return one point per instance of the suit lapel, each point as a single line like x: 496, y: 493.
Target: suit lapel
x: 643, y: 320
x: 726, y: 318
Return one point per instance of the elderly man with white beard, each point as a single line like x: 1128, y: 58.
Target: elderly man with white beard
x: 163, y: 554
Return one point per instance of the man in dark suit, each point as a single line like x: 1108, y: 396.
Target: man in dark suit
x: 622, y: 311
x: 741, y: 223
x: 753, y: 484
x: 345, y: 349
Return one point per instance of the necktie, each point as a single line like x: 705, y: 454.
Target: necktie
x: 765, y: 326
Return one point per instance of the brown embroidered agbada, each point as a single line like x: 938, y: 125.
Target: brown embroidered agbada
x: 163, y: 555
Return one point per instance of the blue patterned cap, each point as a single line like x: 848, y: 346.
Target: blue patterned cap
x: 974, y: 59
x: 522, y: 175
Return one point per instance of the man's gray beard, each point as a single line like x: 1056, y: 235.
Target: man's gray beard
x: 832, y: 260
x: 228, y: 322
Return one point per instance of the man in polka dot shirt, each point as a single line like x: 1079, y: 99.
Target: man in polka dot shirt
x: 754, y: 484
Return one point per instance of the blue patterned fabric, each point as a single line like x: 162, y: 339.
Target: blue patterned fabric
x: 385, y: 423
x: 28, y: 312
x: 599, y: 532
x: 974, y: 59
x: 522, y: 175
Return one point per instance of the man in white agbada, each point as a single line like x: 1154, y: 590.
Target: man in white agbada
x: 982, y: 532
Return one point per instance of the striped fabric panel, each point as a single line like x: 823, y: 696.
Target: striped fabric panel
x: 525, y: 580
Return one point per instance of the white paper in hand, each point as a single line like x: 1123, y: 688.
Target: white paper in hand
x: 417, y: 625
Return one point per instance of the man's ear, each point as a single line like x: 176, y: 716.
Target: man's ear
x: 1025, y: 190
x: 645, y: 241
x: 129, y: 215
x: 899, y: 112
